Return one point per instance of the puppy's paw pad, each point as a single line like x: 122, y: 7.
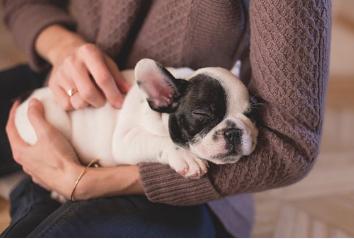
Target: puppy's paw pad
x: 187, y: 164
x: 195, y: 175
x: 183, y: 171
x: 180, y: 166
x: 197, y: 168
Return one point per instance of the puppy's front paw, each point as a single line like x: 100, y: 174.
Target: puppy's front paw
x: 187, y: 164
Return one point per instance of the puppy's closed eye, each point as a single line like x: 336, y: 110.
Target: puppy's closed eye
x: 202, y: 114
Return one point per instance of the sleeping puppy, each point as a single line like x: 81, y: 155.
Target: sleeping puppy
x: 173, y: 116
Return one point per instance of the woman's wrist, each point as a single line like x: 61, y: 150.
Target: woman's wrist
x: 55, y: 43
x: 71, y: 173
x: 108, y: 181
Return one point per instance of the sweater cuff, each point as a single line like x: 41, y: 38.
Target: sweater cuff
x: 164, y: 185
x: 29, y: 22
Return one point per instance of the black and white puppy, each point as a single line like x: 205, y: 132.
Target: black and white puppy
x: 172, y: 116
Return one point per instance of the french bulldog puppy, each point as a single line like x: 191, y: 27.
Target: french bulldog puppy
x: 178, y: 117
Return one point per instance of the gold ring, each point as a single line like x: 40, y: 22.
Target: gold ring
x: 72, y: 91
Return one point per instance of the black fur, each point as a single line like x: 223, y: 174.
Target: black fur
x: 254, y: 111
x: 201, y: 107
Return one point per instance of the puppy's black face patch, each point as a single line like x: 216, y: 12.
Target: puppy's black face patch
x: 202, y: 106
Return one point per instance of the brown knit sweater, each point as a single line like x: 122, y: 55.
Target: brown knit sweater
x: 285, y: 64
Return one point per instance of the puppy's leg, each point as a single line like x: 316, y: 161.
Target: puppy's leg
x: 139, y: 145
x: 183, y: 161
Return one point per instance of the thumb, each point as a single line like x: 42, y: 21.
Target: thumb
x: 36, y: 117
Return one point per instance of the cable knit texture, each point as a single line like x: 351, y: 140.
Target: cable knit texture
x: 283, y: 44
x: 289, y: 58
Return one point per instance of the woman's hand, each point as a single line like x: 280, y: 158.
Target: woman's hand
x: 51, y: 162
x: 82, y: 66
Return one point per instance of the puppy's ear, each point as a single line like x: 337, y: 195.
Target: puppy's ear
x: 162, y: 90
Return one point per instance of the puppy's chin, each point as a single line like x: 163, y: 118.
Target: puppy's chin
x: 216, y: 153
x: 226, y: 160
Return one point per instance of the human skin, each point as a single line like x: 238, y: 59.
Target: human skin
x: 81, y: 65
x: 53, y: 164
x: 73, y: 61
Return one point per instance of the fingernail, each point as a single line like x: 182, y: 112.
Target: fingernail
x: 118, y: 105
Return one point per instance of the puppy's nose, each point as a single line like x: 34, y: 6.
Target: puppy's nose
x: 233, y: 135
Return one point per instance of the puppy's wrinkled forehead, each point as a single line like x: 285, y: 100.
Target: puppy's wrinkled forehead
x: 203, y: 88
x: 236, y: 93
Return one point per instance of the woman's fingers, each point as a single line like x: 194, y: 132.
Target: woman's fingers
x: 50, y: 145
x: 77, y: 102
x: 102, y: 76
x: 123, y: 86
x: 74, y: 72
x: 87, y: 91
x: 62, y: 98
x: 35, y: 115
x: 60, y: 95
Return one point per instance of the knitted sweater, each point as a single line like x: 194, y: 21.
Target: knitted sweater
x: 284, y: 49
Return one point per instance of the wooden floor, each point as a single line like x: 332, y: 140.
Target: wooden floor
x: 4, y: 214
x: 321, y: 205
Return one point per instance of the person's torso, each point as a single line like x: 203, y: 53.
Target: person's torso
x: 193, y: 33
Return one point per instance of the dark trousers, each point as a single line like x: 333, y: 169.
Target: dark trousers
x: 35, y: 214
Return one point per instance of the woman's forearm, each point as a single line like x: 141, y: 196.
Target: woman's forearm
x: 63, y: 168
x: 55, y: 43
x: 289, y: 57
x: 108, y: 181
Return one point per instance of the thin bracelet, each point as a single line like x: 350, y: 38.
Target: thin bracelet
x: 95, y: 164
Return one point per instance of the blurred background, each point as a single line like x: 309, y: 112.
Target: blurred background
x: 321, y: 205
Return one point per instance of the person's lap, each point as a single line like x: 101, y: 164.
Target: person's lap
x: 128, y: 216
x: 34, y: 214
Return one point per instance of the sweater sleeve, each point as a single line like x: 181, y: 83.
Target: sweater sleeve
x: 289, y: 55
x: 27, y: 18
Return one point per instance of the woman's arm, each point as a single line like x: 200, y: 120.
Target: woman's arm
x: 53, y: 164
x: 290, y: 43
x: 111, y: 181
